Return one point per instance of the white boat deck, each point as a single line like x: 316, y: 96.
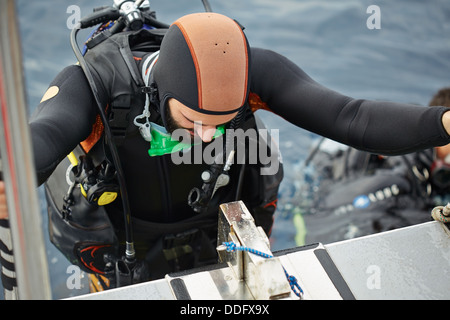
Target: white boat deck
x: 407, y: 263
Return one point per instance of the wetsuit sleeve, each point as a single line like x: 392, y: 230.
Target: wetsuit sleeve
x: 379, y: 127
x: 62, y: 121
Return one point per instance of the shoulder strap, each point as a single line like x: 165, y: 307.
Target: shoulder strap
x: 125, y: 43
x: 142, y: 40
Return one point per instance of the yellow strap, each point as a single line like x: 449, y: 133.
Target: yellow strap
x: 98, y: 283
x: 73, y: 159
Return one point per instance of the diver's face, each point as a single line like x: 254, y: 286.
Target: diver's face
x: 198, y: 124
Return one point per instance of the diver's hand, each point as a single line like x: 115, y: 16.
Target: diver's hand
x: 446, y: 121
x: 3, y: 206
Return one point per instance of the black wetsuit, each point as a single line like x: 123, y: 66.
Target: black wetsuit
x: 158, y: 188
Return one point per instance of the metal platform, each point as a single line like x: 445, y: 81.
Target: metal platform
x: 407, y: 263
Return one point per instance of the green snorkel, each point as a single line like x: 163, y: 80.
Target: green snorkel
x: 162, y: 142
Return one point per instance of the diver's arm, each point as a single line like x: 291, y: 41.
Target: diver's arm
x: 62, y: 120
x: 374, y: 126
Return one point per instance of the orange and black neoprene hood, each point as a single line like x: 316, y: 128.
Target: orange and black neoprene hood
x: 204, y: 64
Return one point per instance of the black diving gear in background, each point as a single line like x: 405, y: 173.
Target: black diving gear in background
x: 358, y: 193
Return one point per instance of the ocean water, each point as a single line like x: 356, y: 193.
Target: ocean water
x: 405, y: 58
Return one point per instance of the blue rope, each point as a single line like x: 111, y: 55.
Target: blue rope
x: 295, y: 287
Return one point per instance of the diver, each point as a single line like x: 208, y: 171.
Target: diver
x: 200, y: 76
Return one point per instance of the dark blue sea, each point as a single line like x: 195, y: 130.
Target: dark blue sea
x: 399, y: 52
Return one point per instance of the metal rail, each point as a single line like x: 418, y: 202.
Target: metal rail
x: 19, y: 171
